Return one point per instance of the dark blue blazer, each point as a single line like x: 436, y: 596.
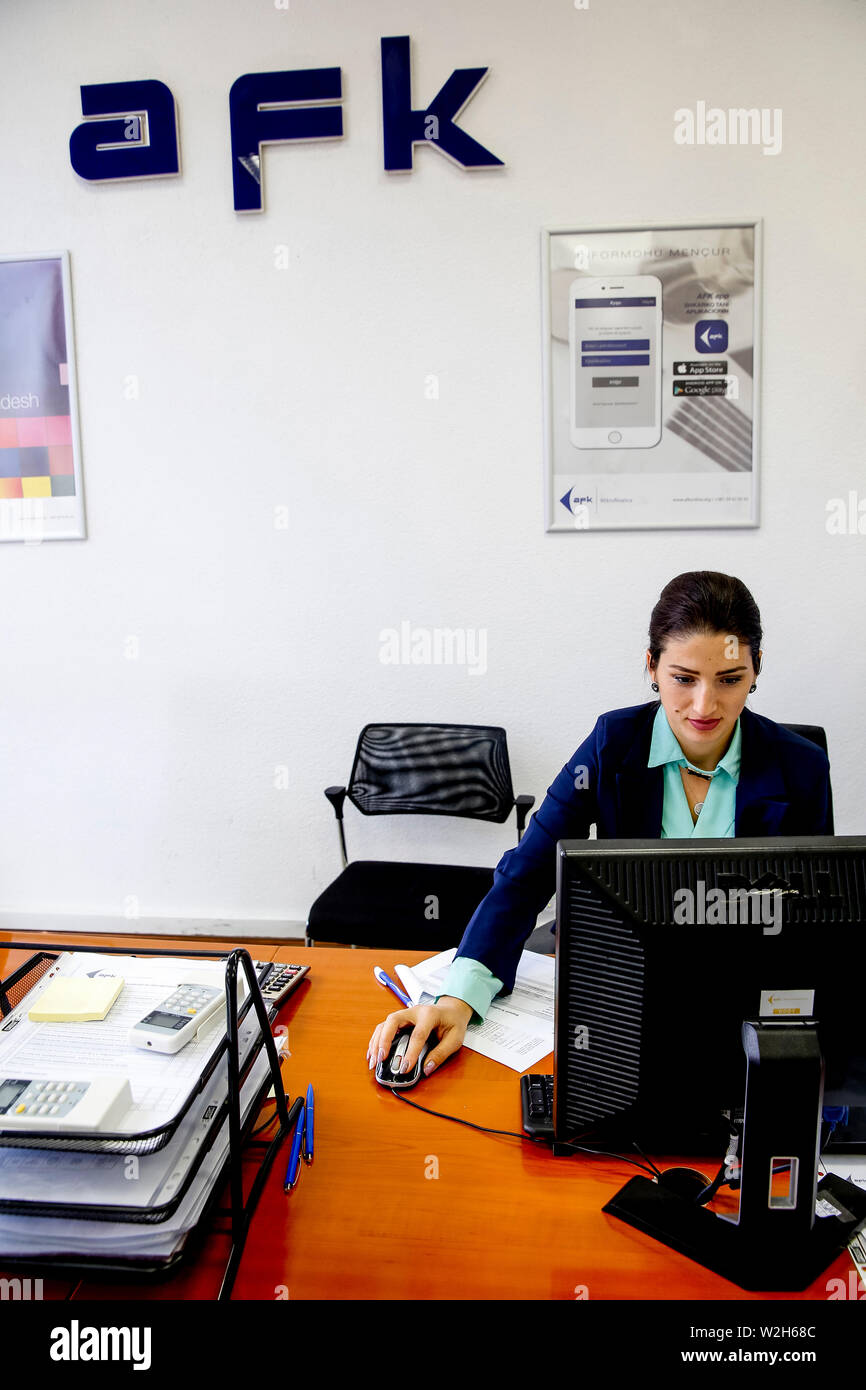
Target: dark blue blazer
x: 783, y: 789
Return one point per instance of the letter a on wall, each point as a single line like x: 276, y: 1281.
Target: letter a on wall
x: 136, y: 140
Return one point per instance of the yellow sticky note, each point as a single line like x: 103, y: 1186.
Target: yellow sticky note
x: 76, y: 1001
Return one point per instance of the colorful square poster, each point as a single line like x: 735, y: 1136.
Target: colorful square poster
x: 41, y: 496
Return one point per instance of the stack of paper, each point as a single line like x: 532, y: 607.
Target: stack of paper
x: 160, y: 1084
x: 102, y: 1179
x: 140, y: 1183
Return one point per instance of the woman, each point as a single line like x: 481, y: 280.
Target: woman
x: 693, y: 764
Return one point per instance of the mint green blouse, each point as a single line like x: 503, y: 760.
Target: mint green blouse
x: 472, y: 982
x: 716, y: 819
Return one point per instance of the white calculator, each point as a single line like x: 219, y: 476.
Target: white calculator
x: 178, y: 1018
x: 97, y: 1105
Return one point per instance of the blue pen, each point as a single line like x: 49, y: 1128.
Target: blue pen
x: 308, y: 1135
x: 295, y: 1155
x: 386, y: 980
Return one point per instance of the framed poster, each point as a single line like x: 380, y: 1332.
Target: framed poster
x: 41, y: 495
x: 650, y: 340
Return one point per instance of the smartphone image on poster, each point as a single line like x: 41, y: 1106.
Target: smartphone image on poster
x: 614, y: 342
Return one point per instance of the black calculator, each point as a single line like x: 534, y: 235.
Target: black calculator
x: 277, y: 981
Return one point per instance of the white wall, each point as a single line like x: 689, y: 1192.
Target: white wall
x: 153, y: 779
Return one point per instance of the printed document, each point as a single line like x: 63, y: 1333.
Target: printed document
x: 518, y: 1029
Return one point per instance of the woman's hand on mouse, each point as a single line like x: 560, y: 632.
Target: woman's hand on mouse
x: 449, y: 1018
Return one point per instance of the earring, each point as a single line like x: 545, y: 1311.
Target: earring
x: 752, y: 689
x: 654, y: 686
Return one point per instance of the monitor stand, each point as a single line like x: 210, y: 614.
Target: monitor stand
x: 777, y: 1242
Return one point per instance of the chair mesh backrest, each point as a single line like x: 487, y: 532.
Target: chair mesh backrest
x: 432, y: 769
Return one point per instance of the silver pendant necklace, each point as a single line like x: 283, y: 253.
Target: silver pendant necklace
x: 707, y: 776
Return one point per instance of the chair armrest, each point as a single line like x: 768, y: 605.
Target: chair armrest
x: 336, y: 796
x: 522, y: 804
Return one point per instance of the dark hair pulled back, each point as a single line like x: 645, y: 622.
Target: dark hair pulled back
x: 705, y: 601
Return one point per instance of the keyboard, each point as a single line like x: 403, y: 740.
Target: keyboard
x: 536, y: 1099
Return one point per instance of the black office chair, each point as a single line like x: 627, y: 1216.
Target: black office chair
x: 815, y: 734
x: 416, y: 769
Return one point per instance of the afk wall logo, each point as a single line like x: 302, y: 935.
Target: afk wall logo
x: 130, y: 130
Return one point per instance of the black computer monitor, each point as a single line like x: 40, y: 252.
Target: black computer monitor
x: 676, y: 962
x: 665, y: 947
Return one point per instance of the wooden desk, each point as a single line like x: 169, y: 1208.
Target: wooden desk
x: 391, y: 1188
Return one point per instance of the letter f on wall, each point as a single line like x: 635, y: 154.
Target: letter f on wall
x: 405, y: 128
x: 264, y: 110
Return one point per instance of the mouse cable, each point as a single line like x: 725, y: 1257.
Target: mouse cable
x: 530, y: 1138
x: 646, y: 1167
x: 646, y: 1158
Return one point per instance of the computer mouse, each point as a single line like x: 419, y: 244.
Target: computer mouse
x: 388, y: 1071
